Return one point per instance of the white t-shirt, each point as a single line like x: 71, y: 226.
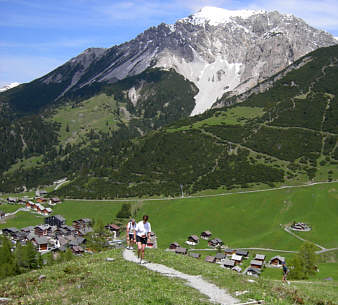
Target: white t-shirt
x: 142, y: 228
x: 131, y: 227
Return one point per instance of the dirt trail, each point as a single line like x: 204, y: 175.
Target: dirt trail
x: 215, y: 294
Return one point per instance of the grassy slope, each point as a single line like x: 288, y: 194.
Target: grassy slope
x: 250, y: 220
x: 95, y: 113
x: 71, y: 210
x: 273, y: 292
x: 92, y: 280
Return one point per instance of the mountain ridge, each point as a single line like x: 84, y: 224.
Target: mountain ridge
x: 231, y: 54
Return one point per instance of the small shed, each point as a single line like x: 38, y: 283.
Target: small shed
x: 260, y: 257
x: 210, y: 259
x: 252, y: 271
x: 174, y: 245
x: 194, y: 255
x: 182, y: 251
x: 206, y: 235
x: 114, y: 228
x: 220, y: 256
x: 228, y: 263
x: 229, y: 251
x: 193, y: 239
x: 12, y: 200
x: 41, y: 243
x: 277, y: 261
x: 256, y: 264
x: 237, y: 258
x: 243, y: 253
x: 216, y: 242
x: 237, y: 269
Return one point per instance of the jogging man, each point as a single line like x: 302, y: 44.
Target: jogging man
x: 130, y: 233
x: 285, y: 272
x: 141, y: 234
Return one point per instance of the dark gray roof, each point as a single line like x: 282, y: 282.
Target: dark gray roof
x: 194, y: 255
x: 41, y: 240
x: 210, y: 259
x: 59, y: 217
x: 194, y: 237
x: 174, y: 244
x: 220, y: 256
x: 256, y: 262
x: 260, y: 256
x: 253, y: 270
x: 242, y: 252
x: 229, y: 251
x: 229, y: 262
x: 280, y: 258
x: 181, y: 250
x: 208, y: 233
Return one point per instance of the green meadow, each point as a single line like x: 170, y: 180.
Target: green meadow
x: 250, y: 220
x: 71, y: 210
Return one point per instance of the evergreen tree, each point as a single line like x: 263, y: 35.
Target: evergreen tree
x: 31, y: 256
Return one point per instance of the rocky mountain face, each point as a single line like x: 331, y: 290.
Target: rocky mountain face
x: 218, y: 50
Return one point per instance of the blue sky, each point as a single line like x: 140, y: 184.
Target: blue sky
x: 36, y: 36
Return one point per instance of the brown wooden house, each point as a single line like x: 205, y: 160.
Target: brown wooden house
x: 206, y: 235
x: 174, y: 245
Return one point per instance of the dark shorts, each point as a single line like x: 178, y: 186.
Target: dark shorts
x: 131, y: 236
x: 142, y: 240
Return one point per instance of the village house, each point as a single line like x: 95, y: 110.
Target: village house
x: 23, y: 200
x: 219, y: 257
x: 216, y: 242
x: 182, y: 251
x: 229, y: 252
x: 206, y: 235
x: 252, y: 271
x: 82, y: 223
x: 260, y: 257
x: 228, y: 263
x: 174, y: 245
x: 42, y: 230
x: 84, y: 231
x: 10, y: 232
x: 237, y: 258
x: 256, y: 264
x: 12, y: 200
x: 194, y: 255
x: 277, y: 261
x: 237, y: 269
x: 243, y: 253
x: 113, y: 228
x: 54, y: 201
x: 30, y: 204
x: 41, y: 193
x: 210, y: 259
x: 41, y: 199
x: 192, y: 240
x: 300, y: 226
x: 47, y: 211
x: 55, y: 220
x: 41, y: 243
x: 77, y: 250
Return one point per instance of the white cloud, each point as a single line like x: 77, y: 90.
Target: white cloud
x: 25, y: 68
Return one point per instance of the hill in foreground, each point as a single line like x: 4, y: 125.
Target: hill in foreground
x: 93, y: 280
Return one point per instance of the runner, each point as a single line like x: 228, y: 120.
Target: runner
x: 141, y: 234
x: 285, y: 272
x: 130, y: 234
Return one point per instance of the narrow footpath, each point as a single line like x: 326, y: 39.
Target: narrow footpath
x: 215, y: 294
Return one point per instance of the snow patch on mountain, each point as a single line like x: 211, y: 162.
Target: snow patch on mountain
x: 9, y: 86
x: 216, y: 16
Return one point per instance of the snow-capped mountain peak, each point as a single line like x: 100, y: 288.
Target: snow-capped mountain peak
x: 9, y: 86
x: 215, y: 16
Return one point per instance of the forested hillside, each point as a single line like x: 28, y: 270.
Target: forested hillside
x: 287, y: 134
x: 43, y: 135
